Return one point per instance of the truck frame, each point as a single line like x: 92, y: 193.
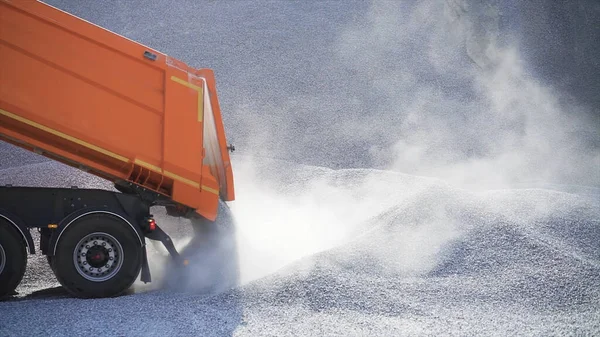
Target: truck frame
x: 97, y: 101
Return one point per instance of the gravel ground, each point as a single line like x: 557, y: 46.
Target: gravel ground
x: 430, y: 259
x: 322, y: 244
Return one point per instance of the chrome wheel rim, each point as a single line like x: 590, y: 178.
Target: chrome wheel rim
x: 98, y: 257
x: 2, y: 259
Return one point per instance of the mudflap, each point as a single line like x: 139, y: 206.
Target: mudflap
x: 145, y: 276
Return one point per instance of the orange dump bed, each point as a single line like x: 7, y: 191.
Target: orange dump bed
x: 96, y: 100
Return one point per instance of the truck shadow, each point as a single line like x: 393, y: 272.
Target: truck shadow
x: 46, y: 293
x: 51, y: 293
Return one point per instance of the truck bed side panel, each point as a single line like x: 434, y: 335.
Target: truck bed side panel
x: 91, y: 98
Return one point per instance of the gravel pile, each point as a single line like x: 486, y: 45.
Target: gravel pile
x: 439, y: 260
x: 322, y: 244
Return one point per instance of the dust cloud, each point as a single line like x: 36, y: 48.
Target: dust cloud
x: 456, y: 110
x: 457, y: 105
x: 459, y: 100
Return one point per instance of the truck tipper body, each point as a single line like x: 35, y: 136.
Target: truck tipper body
x: 92, y: 99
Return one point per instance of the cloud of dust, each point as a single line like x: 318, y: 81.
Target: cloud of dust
x: 285, y: 212
x: 460, y: 104
x: 457, y: 105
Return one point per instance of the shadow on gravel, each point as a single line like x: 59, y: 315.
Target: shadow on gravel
x: 48, y: 293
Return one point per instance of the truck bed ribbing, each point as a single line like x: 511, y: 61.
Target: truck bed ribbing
x: 98, y: 101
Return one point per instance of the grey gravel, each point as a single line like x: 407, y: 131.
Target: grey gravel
x: 442, y: 261
x: 331, y: 239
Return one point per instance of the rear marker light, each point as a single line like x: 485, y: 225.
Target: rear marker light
x: 151, y: 224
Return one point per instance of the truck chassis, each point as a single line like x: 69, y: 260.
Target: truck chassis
x: 94, y: 239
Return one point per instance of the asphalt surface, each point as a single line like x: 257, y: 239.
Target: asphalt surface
x: 503, y: 242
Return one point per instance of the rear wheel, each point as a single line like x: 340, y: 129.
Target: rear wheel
x: 13, y: 258
x: 97, y: 256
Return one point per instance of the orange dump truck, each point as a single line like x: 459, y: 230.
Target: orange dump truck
x: 94, y: 100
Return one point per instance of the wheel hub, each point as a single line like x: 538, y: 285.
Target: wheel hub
x: 2, y: 259
x: 98, y: 257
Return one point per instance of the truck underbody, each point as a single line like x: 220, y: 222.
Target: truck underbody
x: 94, y: 240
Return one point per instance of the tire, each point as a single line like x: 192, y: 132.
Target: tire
x: 13, y: 258
x: 107, y: 245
